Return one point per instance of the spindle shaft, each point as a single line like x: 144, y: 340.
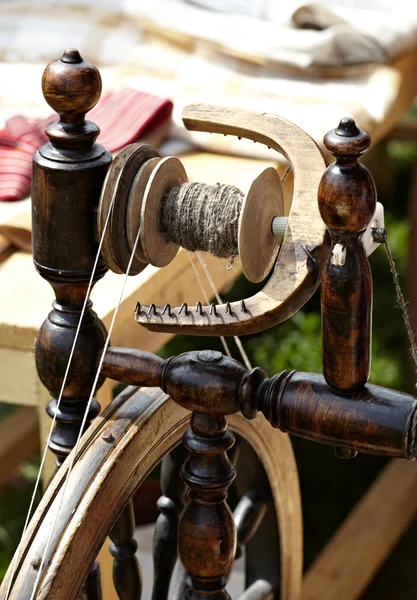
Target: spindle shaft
x: 373, y: 419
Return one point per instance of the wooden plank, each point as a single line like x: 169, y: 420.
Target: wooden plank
x: 19, y: 440
x: 405, y: 66
x: 18, y: 376
x: 43, y: 397
x: 366, y: 538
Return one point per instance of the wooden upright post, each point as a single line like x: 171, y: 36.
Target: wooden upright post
x: 347, y: 201
x: 68, y: 173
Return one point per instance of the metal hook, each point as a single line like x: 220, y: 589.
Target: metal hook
x: 307, y: 251
x: 152, y: 309
x: 379, y: 235
x: 167, y: 308
x: 213, y: 309
x: 184, y: 306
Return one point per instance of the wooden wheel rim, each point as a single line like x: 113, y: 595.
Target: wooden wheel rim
x: 134, y: 419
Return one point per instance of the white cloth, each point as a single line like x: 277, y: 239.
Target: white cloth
x: 260, y: 30
x: 211, y: 73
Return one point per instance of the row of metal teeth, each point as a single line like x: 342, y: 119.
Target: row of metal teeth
x: 152, y: 310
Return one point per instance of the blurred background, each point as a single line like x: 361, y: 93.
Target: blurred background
x: 310, y: 63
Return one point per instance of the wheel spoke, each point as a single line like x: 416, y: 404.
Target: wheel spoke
x: 93, y: 583
x: 171, y: 505
x: 127, y: 575
x: 179, y: 585
x: 207, y: 533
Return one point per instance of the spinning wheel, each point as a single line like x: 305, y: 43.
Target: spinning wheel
x: 116, y: 454
x: 139, y: 210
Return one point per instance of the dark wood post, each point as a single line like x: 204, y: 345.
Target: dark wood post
x: 127, y: 574
x: 68, y: 173
x: 207, y: 533
x: 347, y: 201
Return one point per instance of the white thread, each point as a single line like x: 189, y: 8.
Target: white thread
x: 220, y: 301
x: 90, y: 399
x: 42, y: 464
x: 287, y: 170
x: 206, y: 298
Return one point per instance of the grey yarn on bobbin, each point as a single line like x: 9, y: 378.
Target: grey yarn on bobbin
x: 198, y: 216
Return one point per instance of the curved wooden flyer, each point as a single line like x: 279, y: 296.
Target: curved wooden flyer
x: 296, y: 273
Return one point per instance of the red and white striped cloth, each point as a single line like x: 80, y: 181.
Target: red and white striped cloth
x: 123, y: 117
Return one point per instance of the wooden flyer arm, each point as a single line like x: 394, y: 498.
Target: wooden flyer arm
x: 297, y: 270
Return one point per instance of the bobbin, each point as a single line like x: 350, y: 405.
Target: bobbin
x: 135, y: 199
x: 258, y: 246
x: 169, y: 173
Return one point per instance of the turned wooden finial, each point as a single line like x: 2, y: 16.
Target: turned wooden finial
x: 347, y: 139
x: 347, y: 195
x: 72, y: 87
x: 347, y: 202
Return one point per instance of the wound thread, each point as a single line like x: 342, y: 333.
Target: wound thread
x: 198, y: 216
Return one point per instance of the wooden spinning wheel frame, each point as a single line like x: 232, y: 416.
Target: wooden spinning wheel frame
x: 89, y: 498
x: 144, y: 426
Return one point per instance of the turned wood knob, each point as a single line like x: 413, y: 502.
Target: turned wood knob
x: 71, y: 86
x: 347, y: 195
x: 347, y: 202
